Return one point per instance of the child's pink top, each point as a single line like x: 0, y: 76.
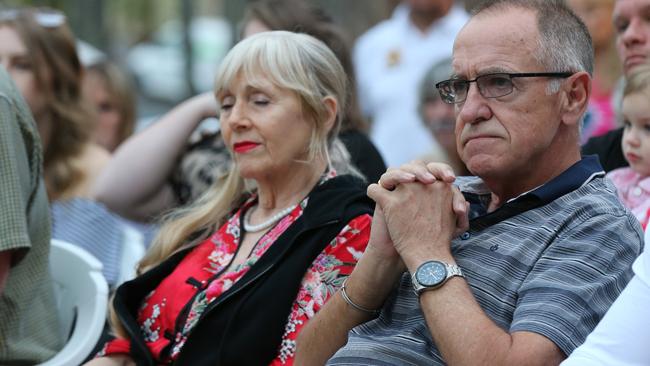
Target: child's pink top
x: 633, y: 191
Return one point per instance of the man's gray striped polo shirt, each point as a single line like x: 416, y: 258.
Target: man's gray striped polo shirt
x: 550, y: 261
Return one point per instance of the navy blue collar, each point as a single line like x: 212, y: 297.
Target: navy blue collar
x: 571, y: 179
x: 579, y: 174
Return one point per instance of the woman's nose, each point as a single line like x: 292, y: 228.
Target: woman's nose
x: 237, y: 117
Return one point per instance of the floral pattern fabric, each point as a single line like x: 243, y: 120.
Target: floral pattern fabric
x: 169, y: 313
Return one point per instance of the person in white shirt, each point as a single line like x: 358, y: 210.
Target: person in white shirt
x: 622, y: 336
x: 390, y: 61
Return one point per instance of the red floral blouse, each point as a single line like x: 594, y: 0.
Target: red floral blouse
x: 164, y: 306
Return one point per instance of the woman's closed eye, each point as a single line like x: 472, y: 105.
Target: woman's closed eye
x: 260, y: 100
x: 226, y: 103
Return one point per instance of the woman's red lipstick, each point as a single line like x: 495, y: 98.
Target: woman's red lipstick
x: 244, y: 146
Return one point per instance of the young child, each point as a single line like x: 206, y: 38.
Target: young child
x: 633, y: 182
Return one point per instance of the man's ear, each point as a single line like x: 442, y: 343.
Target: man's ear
x: 577, y: 90
x: 332, y: 107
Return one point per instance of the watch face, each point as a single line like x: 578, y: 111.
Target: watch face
x: 431, y: 273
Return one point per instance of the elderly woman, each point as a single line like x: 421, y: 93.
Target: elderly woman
x: 157, y: 169
x: 233, y: 279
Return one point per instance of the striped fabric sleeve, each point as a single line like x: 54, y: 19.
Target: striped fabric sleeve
x: 576, y: 279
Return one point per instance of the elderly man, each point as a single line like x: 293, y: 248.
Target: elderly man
x: 548, y: 247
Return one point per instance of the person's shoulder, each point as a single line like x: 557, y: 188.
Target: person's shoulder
x: 598, y: 195
x: 9, y: 94
x: 596, y: 204
x: 6, y: 85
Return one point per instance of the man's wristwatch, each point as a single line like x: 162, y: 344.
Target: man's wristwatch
x: 433, y: 274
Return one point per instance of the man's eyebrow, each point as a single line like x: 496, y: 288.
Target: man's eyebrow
x: 494, y: 70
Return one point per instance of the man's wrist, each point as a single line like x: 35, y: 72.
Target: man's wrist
x: 414, y: 258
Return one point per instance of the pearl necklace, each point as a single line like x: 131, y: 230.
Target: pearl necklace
x: 248, y: 227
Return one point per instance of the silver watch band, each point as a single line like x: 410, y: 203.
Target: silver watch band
x: 453, y: 270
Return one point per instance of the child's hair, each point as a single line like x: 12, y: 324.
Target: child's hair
x: 638, y: 81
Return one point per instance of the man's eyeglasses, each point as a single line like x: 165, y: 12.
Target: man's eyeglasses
x: 46, y: 18
x: 492, y: 85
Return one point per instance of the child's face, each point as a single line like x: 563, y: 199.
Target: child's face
x: 636, y: 134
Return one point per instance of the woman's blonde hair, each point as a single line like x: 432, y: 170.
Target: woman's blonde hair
x: 58, y: 71
x: 638, y: 81
x: 302, y: 16
x: 291, y: 61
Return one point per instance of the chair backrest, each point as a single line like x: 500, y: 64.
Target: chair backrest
x: 81, y: 294
x: 133, y: 250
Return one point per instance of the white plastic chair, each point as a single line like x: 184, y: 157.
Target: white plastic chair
x: 81, y: 294
x: 133, y: 250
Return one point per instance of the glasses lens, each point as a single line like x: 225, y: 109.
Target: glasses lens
x: 452, y: 91
x: 494, y: 85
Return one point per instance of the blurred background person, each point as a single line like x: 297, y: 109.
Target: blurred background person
x: 29, y: 327
x: 253, y: 262
x: 157, y: 169
x: 38, y: 50
x: 601, y: 115
x: 390, y: 61
x: 111, y: 93
x: 632, y: 28
x: 440, y: 119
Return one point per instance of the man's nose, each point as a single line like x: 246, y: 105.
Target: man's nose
x: 475, y: 107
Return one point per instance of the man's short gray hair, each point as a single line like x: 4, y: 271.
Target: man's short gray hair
x: 564, y: 41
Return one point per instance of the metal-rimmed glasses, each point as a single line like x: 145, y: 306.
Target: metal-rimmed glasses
x: 45, y: 17
x: 491, y: 85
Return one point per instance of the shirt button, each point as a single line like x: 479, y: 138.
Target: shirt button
x: 466, y: 235
x: 637, y: 191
